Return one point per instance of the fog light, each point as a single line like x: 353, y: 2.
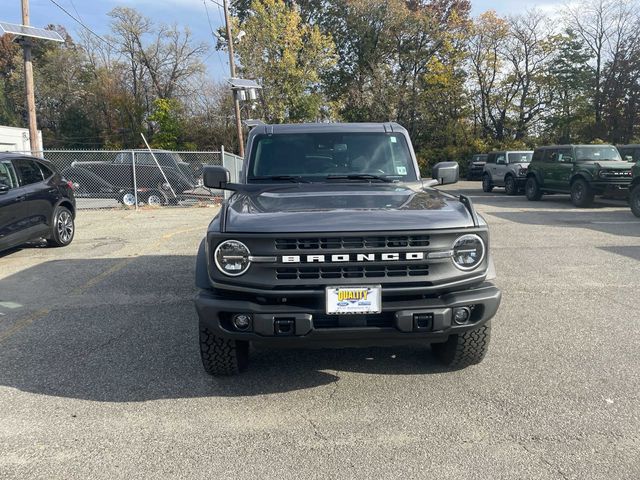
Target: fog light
x: 461, y: 315
x: 242, y: 321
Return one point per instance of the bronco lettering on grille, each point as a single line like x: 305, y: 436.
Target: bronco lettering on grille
x: 354, y: 257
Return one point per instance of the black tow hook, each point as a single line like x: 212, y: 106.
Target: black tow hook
x: 284, y: 326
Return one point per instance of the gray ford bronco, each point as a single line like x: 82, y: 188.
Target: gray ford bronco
x: 332, y: 238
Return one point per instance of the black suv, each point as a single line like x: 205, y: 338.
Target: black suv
x: 332, y: 238
x: 631, y: 153
x: 475, y: 167
x: 35, y: 202
x: 583, y: 171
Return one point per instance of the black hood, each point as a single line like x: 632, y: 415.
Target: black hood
x: 343, y: 208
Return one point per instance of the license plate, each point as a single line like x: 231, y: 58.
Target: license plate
x: 361, y: 300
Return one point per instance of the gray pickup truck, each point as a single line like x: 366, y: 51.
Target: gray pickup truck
x: 332, y: 238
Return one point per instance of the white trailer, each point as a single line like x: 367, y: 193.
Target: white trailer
x: 17, y: 140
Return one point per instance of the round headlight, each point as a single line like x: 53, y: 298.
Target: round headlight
x: 232, y: 258
x: 468, y: 252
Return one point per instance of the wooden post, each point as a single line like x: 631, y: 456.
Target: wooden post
x: 28, y: 83
x: 232, y: 68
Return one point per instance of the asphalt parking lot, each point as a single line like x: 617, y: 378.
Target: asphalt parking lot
x: 100, y: 375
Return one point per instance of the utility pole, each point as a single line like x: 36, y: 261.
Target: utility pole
x: 232, y: 68
x: 28, y: 83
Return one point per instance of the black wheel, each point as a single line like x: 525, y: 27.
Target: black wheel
x: 510, y: 186
x: 634, y: 200
x: 486, y: 184
x: 532, y: 189
x: 581, y: 193
x: 221, y: 356
x: 464, y: 349
x: 62, y: 228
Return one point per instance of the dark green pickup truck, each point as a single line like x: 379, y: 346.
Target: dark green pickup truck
x: 631, y: 153
x: 582, y: 171
x: 634, y: 197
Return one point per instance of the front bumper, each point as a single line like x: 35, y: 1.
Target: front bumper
x: 521, y: 181
x: 475, y: 171
x: 612, y: 188
x: 401, y: 321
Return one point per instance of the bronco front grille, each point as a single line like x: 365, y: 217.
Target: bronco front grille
x: 616, y: 174
x: 339, y: 243
x: 359, y: 271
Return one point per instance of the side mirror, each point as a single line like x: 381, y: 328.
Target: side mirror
x: 4, y: 188
x: 446, y: 172
x: 216, y: 177
x: 628, y: 158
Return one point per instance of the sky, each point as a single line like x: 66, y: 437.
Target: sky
x: 93, y: 13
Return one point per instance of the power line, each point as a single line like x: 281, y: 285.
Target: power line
x: 213, y: 35
x: 82, y: 24
x: 73, y: 5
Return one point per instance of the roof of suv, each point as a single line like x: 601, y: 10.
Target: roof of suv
x: 13, y: 155
x: 511, y: 151
x: 329, y: 128
x: 576, y: 145
x: 8, y: 155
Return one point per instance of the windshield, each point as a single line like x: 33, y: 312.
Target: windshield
x: 331, y: 156
x: 520, y: 157
x: 597, y: 153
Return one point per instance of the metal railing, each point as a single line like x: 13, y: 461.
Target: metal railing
x: 141, y: 178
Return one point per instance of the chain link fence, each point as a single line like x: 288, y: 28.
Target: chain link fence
x: 141, y: 178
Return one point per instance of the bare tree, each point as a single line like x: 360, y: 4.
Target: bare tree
x: 486, y: 45
x: 167, y: 61
x: 528, y: 52
x: 605, y: 26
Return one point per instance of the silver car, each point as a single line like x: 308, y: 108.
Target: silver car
x: 506, y: 169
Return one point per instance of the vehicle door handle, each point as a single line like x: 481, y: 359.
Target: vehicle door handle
x: 21, y: 198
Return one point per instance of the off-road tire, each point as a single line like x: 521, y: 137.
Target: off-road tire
x: 581, y: 193
x: 486, y: 184
x: 532, y: 189
x: 634, y: 200
x: 510, y: 185
x: 464, y: 349
x: 222, y: 356
x: 62, y: 228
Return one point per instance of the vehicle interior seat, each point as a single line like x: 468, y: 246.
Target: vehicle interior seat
x: 5, y: 178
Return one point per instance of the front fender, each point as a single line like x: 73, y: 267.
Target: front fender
x: 581, y: 174
x: 535, y: 175
x: 202, y: 274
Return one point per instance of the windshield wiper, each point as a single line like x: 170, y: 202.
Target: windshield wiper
x: 361, y: 176
x: 287, y: 178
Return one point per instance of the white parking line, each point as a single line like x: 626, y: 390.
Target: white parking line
x: 10, y: 305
